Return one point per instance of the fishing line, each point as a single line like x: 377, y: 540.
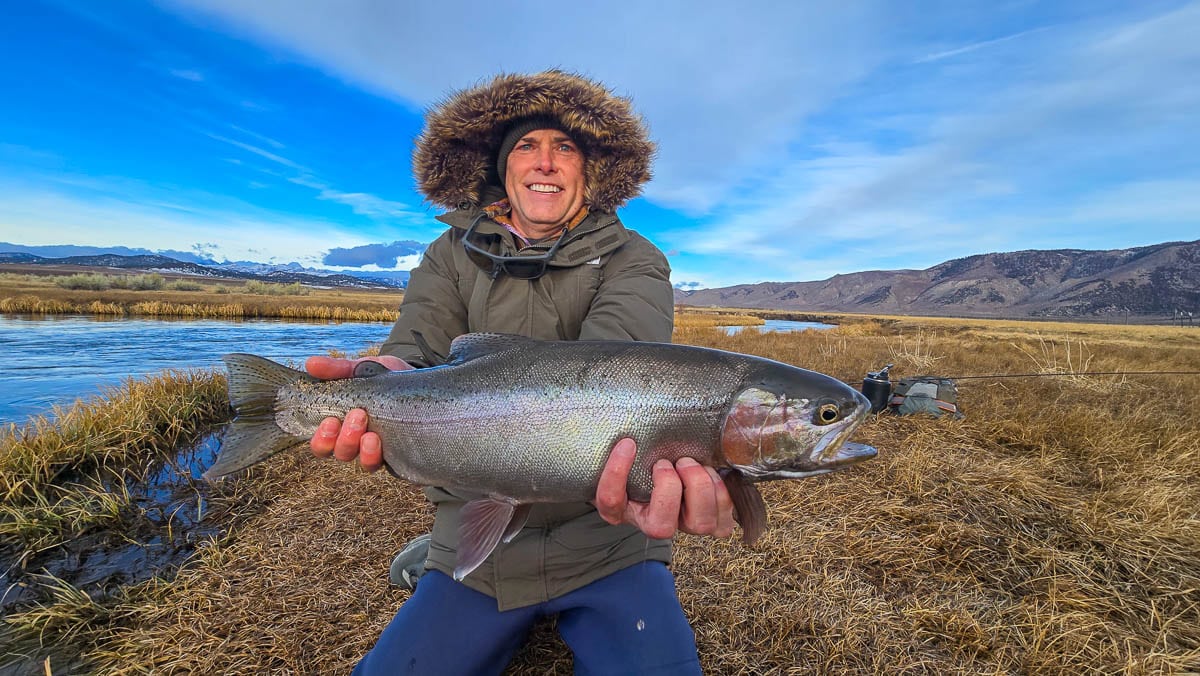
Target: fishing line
x: 1060, y: 375
x: 1077, y: 373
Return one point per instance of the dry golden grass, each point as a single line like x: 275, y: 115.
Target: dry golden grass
x: 1054, y: 530
x: 224, y: 298
x: 693, y: 320
x: 55, y: 470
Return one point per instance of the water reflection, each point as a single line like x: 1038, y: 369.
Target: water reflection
x: 781, y: 325
x: 52, y: 360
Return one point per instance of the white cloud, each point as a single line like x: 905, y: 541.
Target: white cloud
x: 371, y: 206
x: 364, y: 204
x: 966, y: 49
x: 1069, y: 155
x: 121, y: 212
x: 260, y: 137
x: 265, y: 154
x: 724, y: 94
x: 1165, y: 202
x: 187, y: 74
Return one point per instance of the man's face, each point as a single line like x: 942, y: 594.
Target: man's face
x: 544, y: 181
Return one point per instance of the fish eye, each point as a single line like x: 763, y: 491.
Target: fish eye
x: 827, y: 413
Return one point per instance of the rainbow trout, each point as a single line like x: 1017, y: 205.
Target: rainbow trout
x: 517, y: 421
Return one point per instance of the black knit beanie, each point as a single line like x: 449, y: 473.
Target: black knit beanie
x: 515, y: 132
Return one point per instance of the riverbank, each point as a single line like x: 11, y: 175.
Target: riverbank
x: 1055, y: 529
x: 207, y: 298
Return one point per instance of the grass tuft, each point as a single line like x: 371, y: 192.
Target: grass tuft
x: 57, y: 472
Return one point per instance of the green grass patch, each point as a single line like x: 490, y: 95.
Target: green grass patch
x: 55, y: 470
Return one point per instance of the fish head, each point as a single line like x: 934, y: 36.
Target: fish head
x: 794, y: 427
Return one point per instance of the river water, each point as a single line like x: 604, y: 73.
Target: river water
x: 780, y: 325
x: 52, y: 360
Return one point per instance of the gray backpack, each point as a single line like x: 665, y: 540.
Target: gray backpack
x: 925, y: 394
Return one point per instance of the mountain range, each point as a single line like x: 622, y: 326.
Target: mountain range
x: 164, y: 264
x: 1150, y: 281
x: 1160, y: 280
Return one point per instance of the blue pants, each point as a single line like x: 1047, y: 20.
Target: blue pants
x: 627, y: 623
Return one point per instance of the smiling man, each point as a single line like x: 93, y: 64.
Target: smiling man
x: 531, y: 170
x: 543, y: 177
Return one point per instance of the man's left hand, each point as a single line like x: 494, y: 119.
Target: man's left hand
x: 687, y: 496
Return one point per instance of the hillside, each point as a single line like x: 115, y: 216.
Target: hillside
x: 164, y: 264
x: 1151, y: 281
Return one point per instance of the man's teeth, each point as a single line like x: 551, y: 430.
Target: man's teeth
x: 542, y: 187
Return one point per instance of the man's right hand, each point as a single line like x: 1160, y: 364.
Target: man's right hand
x: 349, y: 440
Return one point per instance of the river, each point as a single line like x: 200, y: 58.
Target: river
x: 52, y: 360
x: 780, y: 325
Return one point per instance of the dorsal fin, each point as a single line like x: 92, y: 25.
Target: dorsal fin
x: 431, y: 356
x: 474, y: 345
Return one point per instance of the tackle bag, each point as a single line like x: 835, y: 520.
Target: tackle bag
x: 925, y: 394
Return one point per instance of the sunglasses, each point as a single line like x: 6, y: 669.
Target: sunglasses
x: 527, y: 266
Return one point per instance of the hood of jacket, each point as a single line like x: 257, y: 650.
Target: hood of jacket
x: 454, y: 161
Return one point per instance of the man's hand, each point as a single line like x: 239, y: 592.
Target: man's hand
x: 349, y: 440
x: 687, y: 496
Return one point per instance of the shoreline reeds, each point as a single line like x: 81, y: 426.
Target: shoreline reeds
x: 156, y: 308
x: 58, y: 472
x: 153, y: 295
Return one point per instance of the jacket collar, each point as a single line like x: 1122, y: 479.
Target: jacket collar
x: 580, y: 246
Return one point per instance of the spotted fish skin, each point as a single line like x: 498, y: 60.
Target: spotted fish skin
x: 519, y: 421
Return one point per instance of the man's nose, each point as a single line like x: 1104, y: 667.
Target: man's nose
x: 545, y: 160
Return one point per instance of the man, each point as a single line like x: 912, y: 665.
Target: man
x: 532, y: 169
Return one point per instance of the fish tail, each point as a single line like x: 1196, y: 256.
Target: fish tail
x: 254, y: 384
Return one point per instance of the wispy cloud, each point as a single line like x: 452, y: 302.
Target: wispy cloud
x: 255, y: 150
x: 187, y: 74
x: 361, y: 203
x: 118, y: 212
x: 938, y: 56
x: 1020, y: 167
x: 717, y: 120
x: 790, y: 133
x: 260, y: 137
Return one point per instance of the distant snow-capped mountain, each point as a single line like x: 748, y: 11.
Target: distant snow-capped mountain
x: 164, y: 264
x: 179, y: 261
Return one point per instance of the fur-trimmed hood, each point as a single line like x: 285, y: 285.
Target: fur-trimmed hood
x: 455, y: 157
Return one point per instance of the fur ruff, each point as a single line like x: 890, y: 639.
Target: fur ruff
x: 455, y: 155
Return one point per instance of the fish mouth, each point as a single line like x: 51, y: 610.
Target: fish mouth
x: 834, y: 449
x: 850, y: 452
x: 843, y: 455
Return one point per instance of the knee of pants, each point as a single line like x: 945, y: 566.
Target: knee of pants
x: 629, y: 622
x: 427, y: 635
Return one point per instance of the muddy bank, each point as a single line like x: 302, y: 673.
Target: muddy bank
x: 168, y: 516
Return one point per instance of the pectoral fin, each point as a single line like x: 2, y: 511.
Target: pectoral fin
x: 751, y: 510
x: 483, y: 523
x: 519, y: 517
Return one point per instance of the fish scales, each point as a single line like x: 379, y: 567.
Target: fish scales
x: 516, y: 421
x: 563, y: 413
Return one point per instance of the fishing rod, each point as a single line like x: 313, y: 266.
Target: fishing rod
x: 878, y: 388
x: 1079, y: 373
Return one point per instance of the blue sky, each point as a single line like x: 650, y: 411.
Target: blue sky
x: 796, y: 140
